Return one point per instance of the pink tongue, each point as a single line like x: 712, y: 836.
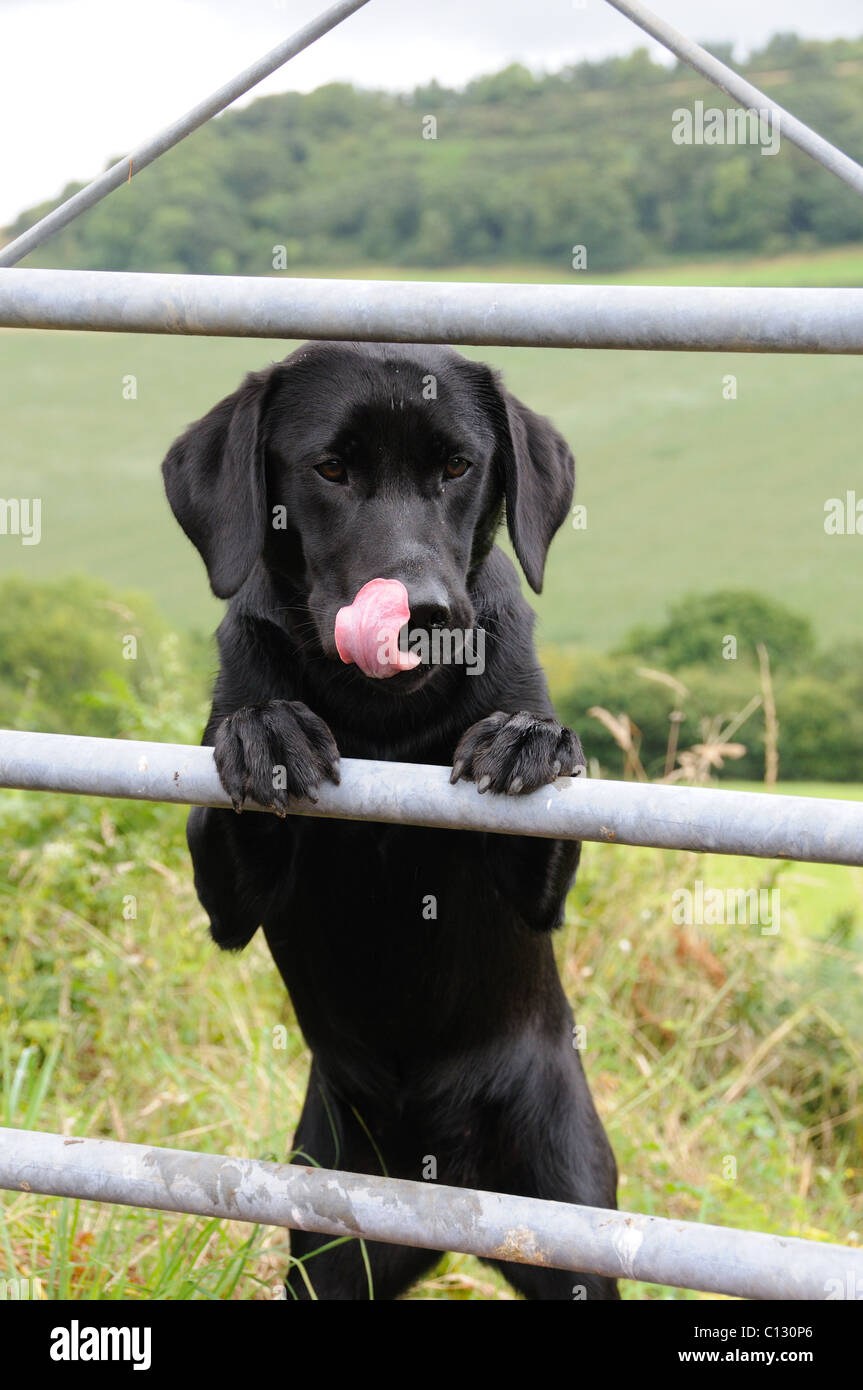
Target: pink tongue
x: 367, y: 631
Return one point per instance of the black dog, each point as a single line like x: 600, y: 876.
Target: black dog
x: 440, y: 1039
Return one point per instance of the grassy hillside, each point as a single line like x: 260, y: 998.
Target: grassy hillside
x: 515, y: 165
x: 683, y: 489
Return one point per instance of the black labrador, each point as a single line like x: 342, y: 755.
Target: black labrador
x: 419, y: 961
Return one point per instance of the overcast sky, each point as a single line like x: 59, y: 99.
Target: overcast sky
x: 84, y: 80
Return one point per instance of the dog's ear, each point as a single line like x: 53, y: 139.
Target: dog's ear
x: 538, y: 480
x: 215, y: 480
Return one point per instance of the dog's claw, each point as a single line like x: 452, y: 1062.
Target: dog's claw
x: 519, y: 752
x: 276, y: 735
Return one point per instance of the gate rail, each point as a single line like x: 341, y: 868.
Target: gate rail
x: 491, y: 1225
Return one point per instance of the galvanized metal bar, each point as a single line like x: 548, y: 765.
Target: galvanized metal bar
x: 589, y: 316
x: 764, y: 825
x: 624, y: 1245
x: 138, y: 159
x: 743, y: 92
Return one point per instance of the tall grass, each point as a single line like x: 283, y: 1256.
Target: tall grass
x: 726, y: 1063
x: 702, y: 1045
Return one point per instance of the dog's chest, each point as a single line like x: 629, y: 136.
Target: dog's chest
x: 388, y: 876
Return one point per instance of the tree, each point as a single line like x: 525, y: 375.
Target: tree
x: 698, y: 625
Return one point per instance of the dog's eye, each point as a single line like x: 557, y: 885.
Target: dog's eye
x: 332, y: 470
x: 457, y: 467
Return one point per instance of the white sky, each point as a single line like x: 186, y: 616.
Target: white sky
x: 82, y: 81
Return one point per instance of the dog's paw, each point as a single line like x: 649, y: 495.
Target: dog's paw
x: 517, y: 753
x: 271, y: 752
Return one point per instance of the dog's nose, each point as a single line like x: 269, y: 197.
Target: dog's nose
x: 429, y: 606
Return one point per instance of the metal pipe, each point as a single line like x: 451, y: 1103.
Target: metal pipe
x: 132, y: 164
x: 743, y: 92
x: 588, y: 316
x: 495, y: 1226
x: 757, y: 824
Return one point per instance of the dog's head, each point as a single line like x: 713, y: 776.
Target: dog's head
x: 350, y: 462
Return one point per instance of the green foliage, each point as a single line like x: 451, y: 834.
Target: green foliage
x: 523, y: 166
x: 77, y: 658
x: 820, y: 729
x: 819, y: 698
x: 699, y: 624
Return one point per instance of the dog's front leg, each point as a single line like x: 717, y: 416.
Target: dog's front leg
x: 265, y: 753
x: 238, y: 863
x: 514, y: 754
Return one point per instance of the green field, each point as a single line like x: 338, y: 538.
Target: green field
x: 683, y: 489
x: 835, y: 267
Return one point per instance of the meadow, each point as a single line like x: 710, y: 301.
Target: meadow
x: 684, y: 489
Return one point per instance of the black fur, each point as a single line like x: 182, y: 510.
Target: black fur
x: 447, y: 1039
